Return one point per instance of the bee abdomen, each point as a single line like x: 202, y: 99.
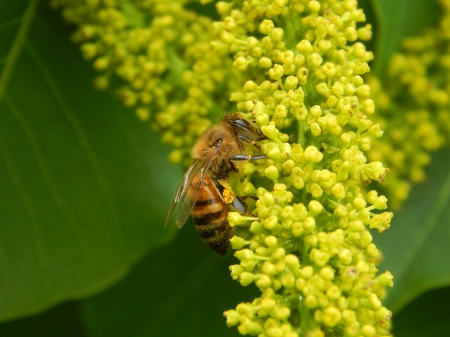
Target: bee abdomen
x: 220, y: 243
x: 216, y: 234
x: 210, y: 217
x: 207, y: 202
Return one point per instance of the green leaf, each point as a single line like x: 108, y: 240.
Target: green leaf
x: 178, y: 290
x: 427, y: 315
x: 59, y: 321
x: 417, y: 246
x: 369, y: 12
x: 397, y: 20
x: 85, y: 186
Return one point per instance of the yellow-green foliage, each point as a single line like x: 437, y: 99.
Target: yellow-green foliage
x: 413, y: 107
x: 310, y: 252
x: 296, y: 68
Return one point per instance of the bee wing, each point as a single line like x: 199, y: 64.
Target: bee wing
x: 183, y: 202
x: 181, y: 193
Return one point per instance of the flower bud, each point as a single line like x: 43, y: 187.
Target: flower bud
x: 331, y: 316
x: 277, y: 34
x: 311, y: 301
x: 226, y: 37
x: 345, y: 256
x: 266, y: 27
x: 246, y: 279
x: 315, y: 207
x: 279, y: 254
x: 311, y: 240
x: 311, y: 154
x: 270, y: 131
x: 271, y: 172
x: 315, y: 129
x: 271, y: 241
x: 270, y: 222
x: 304, y: 47
x: 380, y: 202
x: 329, y: 69
x: 265, y: 62
x: 276, y: 72
x: 314, y: 6
x: 233, y: 317
x: 288, y: 281
x: 385, y: 279
x: 291, y: 83
x: 368, y: 330
x: 244, y: 254
x: 263, y: 282
x: 237, y: 242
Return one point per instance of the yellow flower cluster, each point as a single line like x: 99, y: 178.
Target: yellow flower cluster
x: 310, y: 251
x: 163, y: 53
x: 413, y: 107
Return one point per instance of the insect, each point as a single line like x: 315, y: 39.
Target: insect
x: 204, y: 191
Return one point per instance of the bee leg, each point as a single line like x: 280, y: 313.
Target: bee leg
x: 257, y: 157
x: 245, y: 197
x: 244, y: 138
x: 248, y: 140
x: 224, y: 189
x: 241, y: 157
x: 242, y: 207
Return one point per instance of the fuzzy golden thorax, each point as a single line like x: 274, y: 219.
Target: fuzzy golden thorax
x: 228, y: 137
x: 219, y: 135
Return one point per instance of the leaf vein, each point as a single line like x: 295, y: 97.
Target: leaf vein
x: 440, y: 204
x: 84, y: 143
x: 16, y: 48
x: 7, y: 24
x: 46, y: 172
x: 29, y: 209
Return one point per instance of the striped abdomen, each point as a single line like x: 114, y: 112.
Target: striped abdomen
x: 210, y: 217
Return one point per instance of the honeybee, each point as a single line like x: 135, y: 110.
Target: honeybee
x: 204, y: 191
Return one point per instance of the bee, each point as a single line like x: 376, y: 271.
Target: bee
x: 204, y: 191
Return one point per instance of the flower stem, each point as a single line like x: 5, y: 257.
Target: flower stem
x: 305, y: 317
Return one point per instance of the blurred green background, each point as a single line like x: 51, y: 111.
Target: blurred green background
x: 85, y: 188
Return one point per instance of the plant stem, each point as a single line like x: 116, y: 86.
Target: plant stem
x: 305, y: 317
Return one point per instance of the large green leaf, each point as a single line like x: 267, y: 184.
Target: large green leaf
x: 84, y: 186
x: 60, y: 321
x: 397, y: 20
x: 417, y: 246
x: 178, y: 290
x: 427, y: 315
x: 371, y: 18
